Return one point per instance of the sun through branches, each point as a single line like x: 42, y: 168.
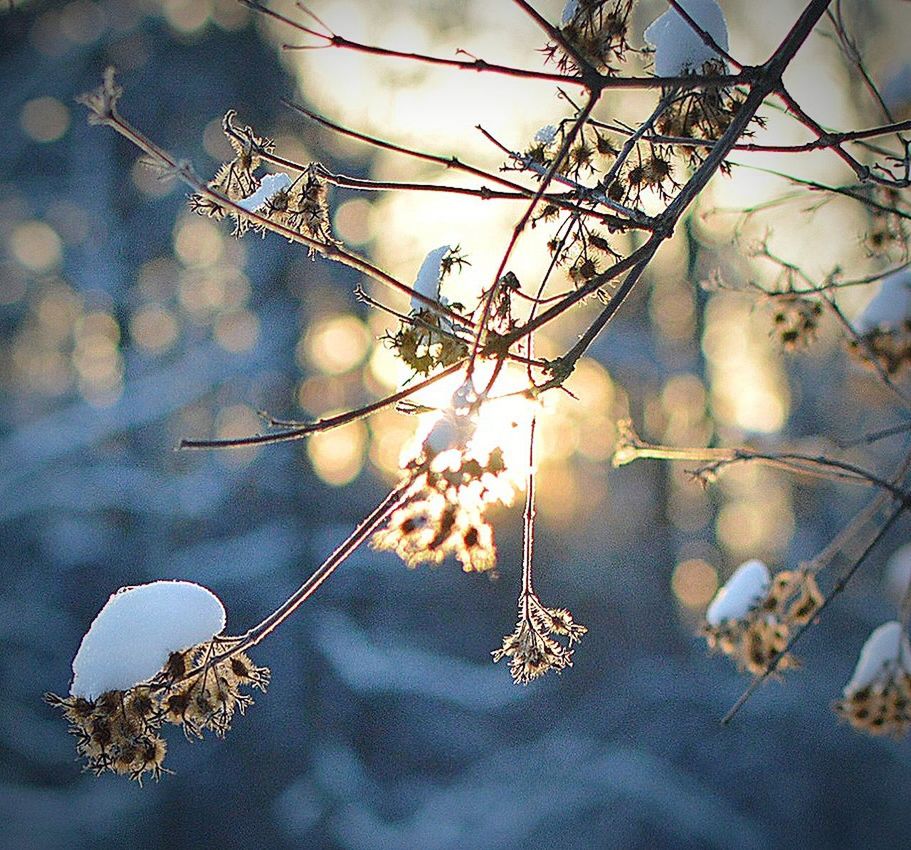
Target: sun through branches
x: 609, y: 190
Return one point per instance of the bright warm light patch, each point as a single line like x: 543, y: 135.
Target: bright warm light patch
x: 745, y: 526
x: 694, y: 582
x: 238, y: 420
x: 352, y: 221
x: 36, y: 246
x: 749, y: 387
x: 45, y: 119
x: 153, y: 328
x: 336, y: 345
x: 187, y: 16
x: 502, y: 422
x: 237, y: 331
x: 338, y: 455
x: 198, y: 242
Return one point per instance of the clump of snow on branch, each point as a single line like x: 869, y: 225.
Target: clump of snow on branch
x: 678, y: 47
x: 891, y: 305
x: 137, y: 630
x: 455, y: 426
x: 546, y: 135
x: 886, y: 651
x: 427, y: 282
x: 270, y: 186
x: 569, y: 11
x: 742, y: 592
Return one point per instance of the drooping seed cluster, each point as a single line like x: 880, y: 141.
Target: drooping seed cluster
x: 532, y: 649
x: 754, y: 640
x: 120, y: 731
x: 445, y: 513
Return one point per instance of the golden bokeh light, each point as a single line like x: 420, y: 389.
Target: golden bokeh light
x: 237, y: 331
x: 36, y: 246
x: 153, y: 328
x: 236, y: 420
x: 335, y: 344
x: 320, y: 394
x: 749, y: 387
x: 198, y: 242
x: 338, y: 455
x: 352, y: 221
x: 694, y: 583
x: 44, y: 119
x: 187, y: 16
x: 150, y: 180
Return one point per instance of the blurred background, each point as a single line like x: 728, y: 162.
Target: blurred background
x: 127, y: 323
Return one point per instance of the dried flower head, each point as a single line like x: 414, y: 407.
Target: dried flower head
x: 877, y: 699
x: 102, y: 102
x: 890, y: 347
x: 796, y: 321
x: 701, y: 113
x: 235, y: 179
x: 532, y: 648
x: 753, y: 616
x: 598, y: 30
x: 119, y: 731
x: 453, y: 484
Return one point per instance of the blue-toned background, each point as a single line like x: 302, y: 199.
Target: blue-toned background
x: 125, y: 324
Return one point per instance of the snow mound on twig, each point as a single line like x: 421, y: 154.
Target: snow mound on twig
x: 742, y: 592
x: 886, y: 647
x: 427, y: 282
x: 269, y: 186
x: 137, y: 629
x: 890, y: 306
x: 679, y: 48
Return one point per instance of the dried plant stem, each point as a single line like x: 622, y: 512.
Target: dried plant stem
x: 555, y: 165
x: 830, y: 139
x: 300, y: 431
x: 836, y: 590
x: 358, y: 537
x: 816, y: 466
x: 331, y: 250
x: 852, y: 534
x: 454, y: 163
x: 705, y: 36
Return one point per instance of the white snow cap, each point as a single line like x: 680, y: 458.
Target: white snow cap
x: 742, y: 592
x: 138, y: 628
x: 270, y: 185
x: 428, y: 279
x: 886, y: 647
x: 678, y: 48
x: 569, y: 11
x: 546, y: 134
x: 456, y: 426
x: 891, y: 304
